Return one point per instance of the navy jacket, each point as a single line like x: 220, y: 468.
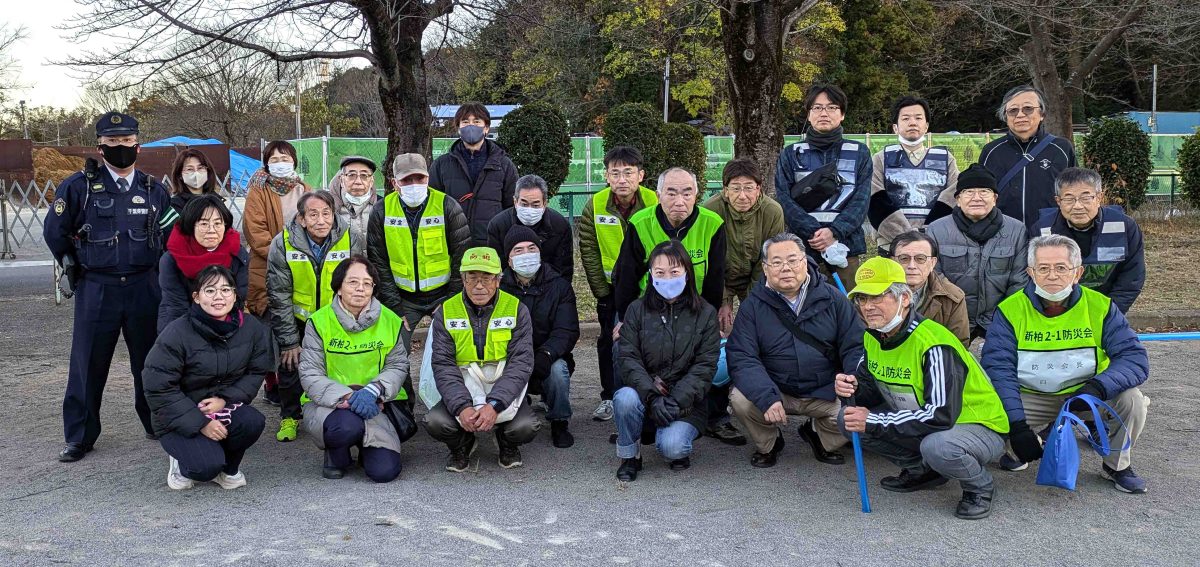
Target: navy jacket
x: 1114, y: 260
x: 1032, y: 189
x: 848, y: 226
x: 767, y: 361
x: 1128, y: 366
x: 177, y: 289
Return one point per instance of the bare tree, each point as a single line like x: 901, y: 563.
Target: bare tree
x: 9, y: 36
x: 159, y: 35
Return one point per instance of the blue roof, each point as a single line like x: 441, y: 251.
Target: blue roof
x: 1168, y: 122
x: 496, y: 110
x: 182, y: 141
x: 241, y: 167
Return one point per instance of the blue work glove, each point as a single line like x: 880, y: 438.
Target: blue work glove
x: 365, y: 402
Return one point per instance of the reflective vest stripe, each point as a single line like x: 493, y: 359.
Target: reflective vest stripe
x: 696, y: 240
x: 430, y: 267
x: 610, y: 228
x: 356, y: 359
x: 307, y: 294
x: 499, y: 331
x: 1057, y: 355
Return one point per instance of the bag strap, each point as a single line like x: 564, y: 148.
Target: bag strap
x: 1016, y: 168
x: 803, y: 336
x: 1096, y: 404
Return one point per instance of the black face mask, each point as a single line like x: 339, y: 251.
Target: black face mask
x: 119, y: 157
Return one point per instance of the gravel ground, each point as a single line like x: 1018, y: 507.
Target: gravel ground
x: 563, y: 508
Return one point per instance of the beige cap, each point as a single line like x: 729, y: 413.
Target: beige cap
x: 408, y: 164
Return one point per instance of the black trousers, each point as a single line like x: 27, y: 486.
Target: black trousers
x: 201, y: 458
x: 289, y: 393
x: 521, y: 429
x: 607, y: 315
x: 342, y: 430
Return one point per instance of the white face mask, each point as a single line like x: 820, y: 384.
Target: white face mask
x: 530, y: 216
x: 527, y: 264
x: 356, y: 200
x: 916, y: 142
x: 195, y: 179
x: 895, y: 322
x: 670, y: 288
x: 1061, y: 295
x: 282, y: 169
x: 414, y: 195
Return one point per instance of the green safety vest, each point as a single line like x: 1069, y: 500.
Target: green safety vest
x: 696, y: 240
x: 1056, y: 355
x: 307, y: 296
x: 610, y: 228
x: 423, y: 264
x: 499, y: 331
x: 899, y: 373
x: 355, y: 359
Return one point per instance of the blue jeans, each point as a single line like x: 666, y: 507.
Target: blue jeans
x: 673, y: 441
x: 556, y: 391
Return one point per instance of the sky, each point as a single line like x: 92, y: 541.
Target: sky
x: 45, y: 84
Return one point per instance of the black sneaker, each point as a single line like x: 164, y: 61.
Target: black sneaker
x: 808, y: 432
x: 559, y: 434
x: 510, y: 457
x: 460, y: 458
x: 727, y: 434
x: 681, y: 464
x: 271, y: 396
x: 908, y: 482
x: 1010, y: 463
x: 974, y: 505
x: 768, y: 459
x: 629, y: 468
x: 331, y: 472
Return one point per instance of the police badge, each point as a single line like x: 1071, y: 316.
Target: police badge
x: 59, y: 206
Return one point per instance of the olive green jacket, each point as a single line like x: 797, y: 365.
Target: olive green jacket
x: 745, y: 234
x: 589, y: 248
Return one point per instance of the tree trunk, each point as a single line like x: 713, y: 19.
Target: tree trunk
x: 752, y: 38
x: 1040, y: 57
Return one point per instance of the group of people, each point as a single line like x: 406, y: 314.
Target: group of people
x: 744, y: 308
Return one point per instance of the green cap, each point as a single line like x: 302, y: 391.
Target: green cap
x: 876, y: 275
x: 484, y: 259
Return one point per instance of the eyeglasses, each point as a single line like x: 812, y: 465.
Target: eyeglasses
x: 905, y: 259
x: 977, y: 193
x: 1085, y: 200
x: 1059, y: 270
x: 223, y: 291
x: 819, y: 108
x: 622, y: 173
x: 478, y: 278
x: 1026, y: 110
x: 354, y: 284
x: 793, y: 263
x: 352, y: 175
x: 204, y: 225
x: 743, y: 189
x: 864, y: 299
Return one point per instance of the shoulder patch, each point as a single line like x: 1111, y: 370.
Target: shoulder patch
x: 60, y: 206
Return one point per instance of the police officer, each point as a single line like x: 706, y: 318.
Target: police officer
x: 106, y: 228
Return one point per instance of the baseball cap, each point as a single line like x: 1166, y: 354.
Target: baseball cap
x: 876, y: 275
x: 483, y: 259
x: 408, y: 164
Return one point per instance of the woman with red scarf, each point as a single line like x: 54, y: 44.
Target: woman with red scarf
x: 203, y: 237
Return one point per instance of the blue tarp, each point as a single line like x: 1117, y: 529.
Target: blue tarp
x: 241, y: 166
x: 1168, y: 122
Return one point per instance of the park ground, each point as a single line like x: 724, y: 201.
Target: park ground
x: 564, y: 507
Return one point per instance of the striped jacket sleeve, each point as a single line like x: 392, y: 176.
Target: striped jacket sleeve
x: 945, y: 376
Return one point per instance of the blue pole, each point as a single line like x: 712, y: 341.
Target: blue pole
x: 857, y: 443
x: 1192, y: 336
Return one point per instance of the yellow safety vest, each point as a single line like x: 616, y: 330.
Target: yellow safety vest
x: 696, y: 240
x: 610, y: 228
x: 307, y: 296
x: 499, y: 331
x: 422, y: 264
x: 1057, y: 355
x: 355, y: 359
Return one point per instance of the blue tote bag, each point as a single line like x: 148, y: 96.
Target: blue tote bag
x: 1060, y: 461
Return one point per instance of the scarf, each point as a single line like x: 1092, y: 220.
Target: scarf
x: 822, y: 141
x: 221, y: 327
x: 982, y: 230
x: 191, y: 257
x: 279, y: 185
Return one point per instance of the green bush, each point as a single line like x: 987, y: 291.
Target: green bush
x: 1119, y: 150
x: 683, y: 146
x: 1188, y: 162
x: 538, y: 140
x: 640, y: 126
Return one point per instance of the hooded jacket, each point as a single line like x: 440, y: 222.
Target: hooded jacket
x: 284, y: 324
x: 491, y: 192
x: 744, y: 236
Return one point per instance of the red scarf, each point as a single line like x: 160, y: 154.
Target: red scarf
x: 191, y: 257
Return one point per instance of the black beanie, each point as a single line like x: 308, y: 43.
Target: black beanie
x: 517, y: 234
x: 975, y: 177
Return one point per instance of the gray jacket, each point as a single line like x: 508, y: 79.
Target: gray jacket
x: 987, y: 274
x: 517, y: 368
x: 325, y: 393
x: 355, y: 217
x: 284, y: 324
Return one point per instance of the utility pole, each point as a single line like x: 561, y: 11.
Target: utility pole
x: 297, y: 109
x: 666, y: 87
x: 1153, y: 123
x: 24, y: 122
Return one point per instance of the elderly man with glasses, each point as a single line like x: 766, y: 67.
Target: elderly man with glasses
x: 933, y: 295
x: 1057, y: 339
x: 354, y: 196
x: 1110, y: 241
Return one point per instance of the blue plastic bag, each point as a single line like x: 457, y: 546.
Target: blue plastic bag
x: 1060, y: 461
x: 721, y: 378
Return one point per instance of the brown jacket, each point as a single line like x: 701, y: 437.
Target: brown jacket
x: 262, y: 219
x: 946, y: 304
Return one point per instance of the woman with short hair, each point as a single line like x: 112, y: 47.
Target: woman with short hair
x: 192, y: 175
x: 203, y: 236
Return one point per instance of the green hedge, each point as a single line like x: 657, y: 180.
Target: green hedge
x: 683, y: 146
x: 637, y: 124
x: 537, y: 138
x: 1189, y: 168
x: 1119, y: 150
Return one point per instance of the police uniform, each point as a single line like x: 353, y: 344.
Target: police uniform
x: 113, y: 229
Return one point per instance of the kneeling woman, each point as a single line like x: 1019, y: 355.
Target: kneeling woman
x: 668, y: 354
x: 200, y: 377
x: 353, y: 369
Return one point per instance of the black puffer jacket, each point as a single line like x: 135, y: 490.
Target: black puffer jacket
x: 679, y: 345
x: 177, y: 289
x: 191, y: 362
x: 551, y: 303
x: 491, y: 193
x: 557, y: 246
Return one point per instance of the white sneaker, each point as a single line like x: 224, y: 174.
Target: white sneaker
x: 604, y: 411
x: 230, y: 482
x: 176, y: 480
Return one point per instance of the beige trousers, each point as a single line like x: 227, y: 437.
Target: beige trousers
x: 1131, y: 405
x: 763, y: 433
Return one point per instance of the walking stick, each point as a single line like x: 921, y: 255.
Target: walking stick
x: 856, y: 442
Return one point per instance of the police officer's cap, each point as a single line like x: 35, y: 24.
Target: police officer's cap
x: 116, y: 124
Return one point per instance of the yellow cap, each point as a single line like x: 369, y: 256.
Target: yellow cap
x: 480, y: 259
x: 876, y: 275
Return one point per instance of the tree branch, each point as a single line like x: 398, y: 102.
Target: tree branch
x: 1089, y: 63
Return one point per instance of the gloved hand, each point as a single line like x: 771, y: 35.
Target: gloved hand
x: 1024, y: 441
x: 665, y: 410
x: 1089, y: 387
x: 365, y: 402
x: 541, y: 364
